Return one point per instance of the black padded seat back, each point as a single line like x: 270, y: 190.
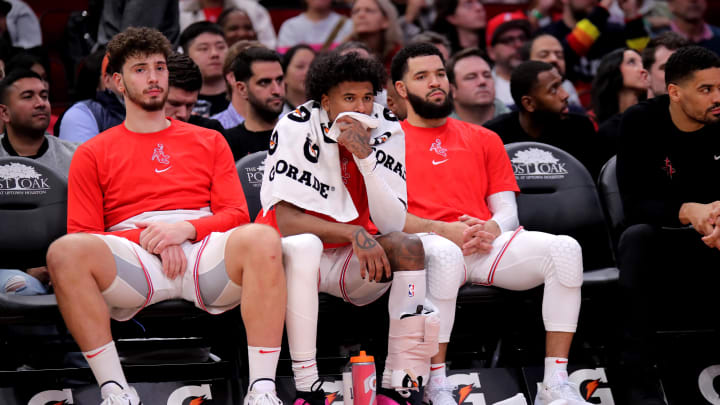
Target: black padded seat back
x: 610, y: 194
x: 251, y: 169
x: 559, y: 196
x: 33, y: 211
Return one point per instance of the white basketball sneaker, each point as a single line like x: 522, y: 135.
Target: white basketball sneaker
x: 261, y: 398
x: 439, y: 391
x: 128, y: 396
x: 565, y: 391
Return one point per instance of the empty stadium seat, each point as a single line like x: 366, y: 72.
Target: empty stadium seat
x: 558, y: 196
x: 250, y: 169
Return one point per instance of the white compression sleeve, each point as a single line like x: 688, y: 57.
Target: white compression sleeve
x: 504, y: 210
x: 386, y: 210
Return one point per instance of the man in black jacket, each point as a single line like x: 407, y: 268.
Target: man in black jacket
x: 543, y: 116
x: 667, y: 167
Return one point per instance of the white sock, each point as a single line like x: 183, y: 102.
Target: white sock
x: 306, y: 373
x: 438, y: 370
x: 387, y: 378
x: 406, y: 293
x: 105, y: 365
x: 262, y: 364
x: 555, y: 371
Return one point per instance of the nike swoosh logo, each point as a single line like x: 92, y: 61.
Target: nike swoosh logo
x: 163, y: 170
x: 560, y: 361
x: 436, y: 368
x: 268, y: 351
x: 90, y: 356
x: 439, y: 162
x: 312, y: 365
x: 717, y: 157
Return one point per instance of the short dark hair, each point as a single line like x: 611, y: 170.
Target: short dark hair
x: 687, y: 60
x: 458, y: 56
x: 11, y: 78
x: 329, y: 70
x: 183, y: 73
x: 524, y: 78
x: 670, y: 40
x: 399, y: 65
x: 242, y: 65
x: 352, y: 45
x: 222, y: 18
x: 287, y: 57
x: 196, y: 29
x: 432, y: 37
x: 136, y: 41
x: 525, y: 49
x: 23, y: 61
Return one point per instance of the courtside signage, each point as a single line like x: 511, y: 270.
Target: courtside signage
x: 536, y: 163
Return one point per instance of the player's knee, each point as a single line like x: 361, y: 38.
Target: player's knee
x: 66, y: 255
x: 404, y: 251
x: 301, y: 254
x: 445, y: 267
x: 566, y: 255
x: 256, y: 240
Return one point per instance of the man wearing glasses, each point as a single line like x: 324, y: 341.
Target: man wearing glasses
x: 506, y: 34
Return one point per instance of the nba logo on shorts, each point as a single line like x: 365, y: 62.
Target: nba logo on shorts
x: 411, y: 290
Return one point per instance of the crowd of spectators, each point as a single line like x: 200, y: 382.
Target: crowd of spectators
x: 559, y: 72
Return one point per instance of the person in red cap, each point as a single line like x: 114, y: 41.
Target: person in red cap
x: 505, y: 36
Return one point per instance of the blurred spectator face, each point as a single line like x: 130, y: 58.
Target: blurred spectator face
x: 474, y: 85
x: 179, y: 103
x: 469, y: 15
x: 506, y: 51
x: 367, y: 17
x: 443, y: 50
x: 548, y: 96
x: 238, y: 27
x: 580, y: 8
x: 634, y: 74
x: 208, y: 52
x: 699, y: 96
x: 297, y: 70
x: 27, y: 110
x: 546, y: 48
x: 318, y: 4
x: 427, y: 87
x: 40, y: 70
x: 689, y: 10
x: 657, y: 71
x: 144, y: 81
x: 266, y: 89
x: 395, y: 102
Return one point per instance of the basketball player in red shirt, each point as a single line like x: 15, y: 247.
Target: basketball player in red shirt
x: 461, y: 185
x: 155, y: 212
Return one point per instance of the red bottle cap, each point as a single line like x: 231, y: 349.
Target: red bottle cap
x: 362, y: 358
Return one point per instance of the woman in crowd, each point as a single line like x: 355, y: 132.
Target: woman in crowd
x: 296, y: 63
x: 375, y: 25
x: 620, y: 82
x: 237, y: 25
x: 462, y: 22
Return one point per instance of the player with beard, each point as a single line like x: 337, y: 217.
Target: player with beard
x: 461, y: 186
x: 25, y: 111
x: 669, y: 150
x: 543, y: 116
x: 258, y: 80
x: 155, y: 212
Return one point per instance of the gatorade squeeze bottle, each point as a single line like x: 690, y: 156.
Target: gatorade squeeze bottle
x: 363, y: 379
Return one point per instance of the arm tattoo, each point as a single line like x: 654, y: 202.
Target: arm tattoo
x: 364, y: 240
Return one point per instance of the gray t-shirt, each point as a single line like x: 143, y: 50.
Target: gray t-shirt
x: 55, y: 153
x: 301, y: 30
